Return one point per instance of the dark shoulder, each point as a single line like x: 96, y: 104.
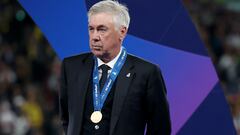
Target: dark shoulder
x: 141, y: 63
x: 77, y: 58
x: 143, y: 68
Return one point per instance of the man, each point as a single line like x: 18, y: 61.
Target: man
x: 110, y: 92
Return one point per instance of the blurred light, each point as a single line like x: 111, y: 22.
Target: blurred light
x: 234, y: 6
x: 20, y: 15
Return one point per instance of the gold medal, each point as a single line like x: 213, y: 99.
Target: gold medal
x: 96, y: 116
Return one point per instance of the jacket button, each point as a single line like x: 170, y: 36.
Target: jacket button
x: 96, y: 127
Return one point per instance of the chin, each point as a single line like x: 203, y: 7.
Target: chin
x: 97, y: 53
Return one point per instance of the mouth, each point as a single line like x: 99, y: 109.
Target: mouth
x: 96, y: 47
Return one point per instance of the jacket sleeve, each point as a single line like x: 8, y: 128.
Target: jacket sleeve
x: 158, y: 121
x: 63, y: 98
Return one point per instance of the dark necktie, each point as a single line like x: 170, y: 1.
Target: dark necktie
x: 103, y: 79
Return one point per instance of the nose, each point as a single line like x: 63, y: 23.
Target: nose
x: 95, y: 36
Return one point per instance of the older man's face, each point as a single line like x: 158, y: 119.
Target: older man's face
x: 105, y: 40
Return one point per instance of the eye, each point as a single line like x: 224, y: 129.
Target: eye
x: 90, y: 29
x: 102, y: 30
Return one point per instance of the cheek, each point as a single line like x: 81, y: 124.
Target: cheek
x: 107, y: 44
x: 110, y: 41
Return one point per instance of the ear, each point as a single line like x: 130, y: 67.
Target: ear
x: 123, y: 32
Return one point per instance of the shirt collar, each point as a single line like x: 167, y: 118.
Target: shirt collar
x: 111, y: 63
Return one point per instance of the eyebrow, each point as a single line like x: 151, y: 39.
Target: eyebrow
x: 102, y: 26
x: 99, y: 26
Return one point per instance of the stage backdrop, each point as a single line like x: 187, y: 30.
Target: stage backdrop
x: 161, y: 32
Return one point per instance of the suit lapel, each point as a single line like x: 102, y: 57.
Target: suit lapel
x: 85, y: 70
x: 123, y: 81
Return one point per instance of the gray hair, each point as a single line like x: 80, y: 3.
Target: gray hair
x: 119, y: 11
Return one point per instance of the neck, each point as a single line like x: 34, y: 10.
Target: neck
x: 106, y: 60
x: 108, y: 57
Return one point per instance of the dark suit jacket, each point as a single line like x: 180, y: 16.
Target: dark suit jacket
x: 139, y: 99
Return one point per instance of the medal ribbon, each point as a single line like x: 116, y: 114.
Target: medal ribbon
x: 99, y: 98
